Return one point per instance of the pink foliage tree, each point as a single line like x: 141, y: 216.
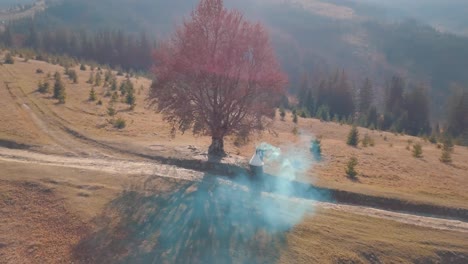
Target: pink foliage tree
x: 218, y: 75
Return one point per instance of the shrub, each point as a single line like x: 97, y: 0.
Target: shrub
x: 82, y: 67
x: 120, y: 123
x: 353, y: 137
x: 351, y: 168
x: 295, y: 118
x: 99, y: 102
x: 114, y: 97
x: 417, y: 150
x: 39, y: 71
x: 9, y: 59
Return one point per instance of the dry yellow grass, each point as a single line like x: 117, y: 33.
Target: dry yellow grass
x: 387, y: 169
x: 328, y: 236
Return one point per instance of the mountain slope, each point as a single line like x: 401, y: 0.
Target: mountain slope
x: 310, y: 36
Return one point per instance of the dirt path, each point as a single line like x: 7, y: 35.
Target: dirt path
x: 130, y: 167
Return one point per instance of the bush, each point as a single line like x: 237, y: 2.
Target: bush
x: 353, y: 137
x: 417, y: 150
x: 295, y: 118
x: 82, y: 67
x: 120, y: 123
x: 351, y: 168
x: 9, y: 59
x: 39, y: 71
x: 99, y: 102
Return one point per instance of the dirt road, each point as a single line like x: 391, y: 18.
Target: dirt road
x: 135, y: 167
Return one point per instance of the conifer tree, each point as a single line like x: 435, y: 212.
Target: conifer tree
x: 353, y: 137
x: 91, y: 78
x: 92, y: 95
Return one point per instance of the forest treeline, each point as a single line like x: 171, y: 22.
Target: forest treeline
x: 107, y: 47
x: 404, y: 108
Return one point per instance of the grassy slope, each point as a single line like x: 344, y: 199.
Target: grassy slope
x: 328, y: 236
x: 388, y: 169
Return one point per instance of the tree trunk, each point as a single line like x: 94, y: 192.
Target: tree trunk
x: 217, y: 147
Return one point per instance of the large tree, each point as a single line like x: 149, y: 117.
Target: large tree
x: 217, y: 75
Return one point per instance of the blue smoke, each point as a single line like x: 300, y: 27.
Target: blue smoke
x: 216, y: 220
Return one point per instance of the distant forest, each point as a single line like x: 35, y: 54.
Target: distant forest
x: 413, y: 70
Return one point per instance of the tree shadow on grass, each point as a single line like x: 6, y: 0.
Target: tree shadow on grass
x: 211, y: 221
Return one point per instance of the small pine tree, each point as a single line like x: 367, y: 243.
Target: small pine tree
x: 108, y: 76
x: 295, y: 131
x: 59, y: 87
x: 43, y: 87
x: 353, y: 137
x: 114, y: 97
x: 113, y: 84
x: 448, y: 144
x: 417, y: 150
x: 316, y: 149
x: 446, y: 156
x: 92, y: 95
x: 91, y: 78
x: 130, y: 99
x: 295, y: 118
x: 367, y: 141
x: 351, y: 168
x: 98, y: 79
x: 73, y: 76
x: 9, y: 59
x: 282, y: 114
x: 323, y: 113
x: 111, y: 110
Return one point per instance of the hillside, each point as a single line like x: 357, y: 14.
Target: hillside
x: 313, y: 37
x: 67, y: 168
